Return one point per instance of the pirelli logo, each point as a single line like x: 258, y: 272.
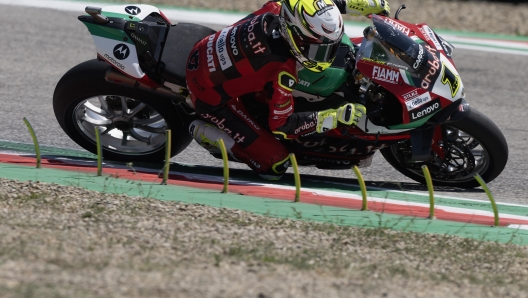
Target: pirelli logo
x: 287, y: 81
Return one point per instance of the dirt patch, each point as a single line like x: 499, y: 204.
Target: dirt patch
x: 67, y: 241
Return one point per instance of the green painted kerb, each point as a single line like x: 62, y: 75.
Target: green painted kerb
x: 45, y: 150
x: 309, y: 181
x: 263, y: 206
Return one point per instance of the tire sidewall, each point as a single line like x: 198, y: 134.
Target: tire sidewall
x: 490, y: 138
x: 86, y: 80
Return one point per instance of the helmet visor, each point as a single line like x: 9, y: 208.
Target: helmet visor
x: 319, y: 52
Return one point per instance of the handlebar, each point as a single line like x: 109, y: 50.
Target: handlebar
x: 398, y: 11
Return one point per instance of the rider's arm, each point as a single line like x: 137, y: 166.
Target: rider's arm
x: 363, y: 7
x: 282, y: 120
x: 287, y: 124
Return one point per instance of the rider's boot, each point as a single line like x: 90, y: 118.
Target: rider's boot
x: 207, y: 135
x: 277, y: 170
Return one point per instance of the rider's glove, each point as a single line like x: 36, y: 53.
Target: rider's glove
x: 366, y: 7
x: 348, y: 114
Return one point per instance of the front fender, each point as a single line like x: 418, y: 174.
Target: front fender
x: 462, y: 112
x: 421, y: 138
x: 456, y: 111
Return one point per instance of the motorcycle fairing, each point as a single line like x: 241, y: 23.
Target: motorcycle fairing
x: 109, y: 49
x: 448, y: 84
x: 404, y: 64
x: 438, y: 76
x: 429, y: 36
x: 446, y: 81
x: 333, y: 153
x: 113, y: 44
x: 130, y: 12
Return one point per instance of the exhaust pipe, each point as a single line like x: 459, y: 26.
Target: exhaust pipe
x: 116, y: 77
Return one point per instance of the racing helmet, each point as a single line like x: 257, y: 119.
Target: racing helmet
x: 313, y: 29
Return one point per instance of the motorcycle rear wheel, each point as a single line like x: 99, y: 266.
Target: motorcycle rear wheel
x: 132, y: 122
x: 473, y: 145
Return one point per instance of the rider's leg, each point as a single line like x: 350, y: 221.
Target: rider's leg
x: 249, y: 142
x: 207, y: 135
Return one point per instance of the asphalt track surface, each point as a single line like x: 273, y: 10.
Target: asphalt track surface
x: 39, y: 45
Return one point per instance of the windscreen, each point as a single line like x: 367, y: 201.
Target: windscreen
x: 387, y: 41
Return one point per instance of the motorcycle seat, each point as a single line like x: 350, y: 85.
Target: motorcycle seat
x: 181, y: 38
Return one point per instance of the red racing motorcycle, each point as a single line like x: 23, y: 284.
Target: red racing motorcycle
x: 403, y: 73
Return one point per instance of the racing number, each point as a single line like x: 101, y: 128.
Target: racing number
x: 193, y: 62
x: 287, y: 81
x: 451, y: 79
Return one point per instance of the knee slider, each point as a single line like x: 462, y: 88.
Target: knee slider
x: 207, y: 135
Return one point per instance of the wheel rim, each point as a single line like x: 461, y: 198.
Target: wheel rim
x: 127, y: 126
x: 464, y: 158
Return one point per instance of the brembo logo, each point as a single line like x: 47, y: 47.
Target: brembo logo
x: 121, y: 51
x: 133, y: 10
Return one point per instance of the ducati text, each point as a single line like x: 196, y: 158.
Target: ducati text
x: 209, y: 51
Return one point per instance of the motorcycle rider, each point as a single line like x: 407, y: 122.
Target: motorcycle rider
x: 260, y: 55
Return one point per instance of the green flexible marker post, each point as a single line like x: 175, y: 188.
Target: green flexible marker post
x: 429, y: 182
x: 166, y: 167
x: 222, y: 147
x: 364, y: 206
x: 492, y: 200
x: 99, y: 151
x: 35, y: 141
x: 297, y: 178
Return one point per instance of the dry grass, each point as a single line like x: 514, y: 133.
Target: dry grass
x: 486, y: 17
x: 60, y: 241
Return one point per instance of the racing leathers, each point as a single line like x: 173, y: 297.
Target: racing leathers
x: 248, y: 57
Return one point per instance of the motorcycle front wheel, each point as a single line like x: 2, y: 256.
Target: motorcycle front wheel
x: 473, y: 145
x: 132, y: 123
